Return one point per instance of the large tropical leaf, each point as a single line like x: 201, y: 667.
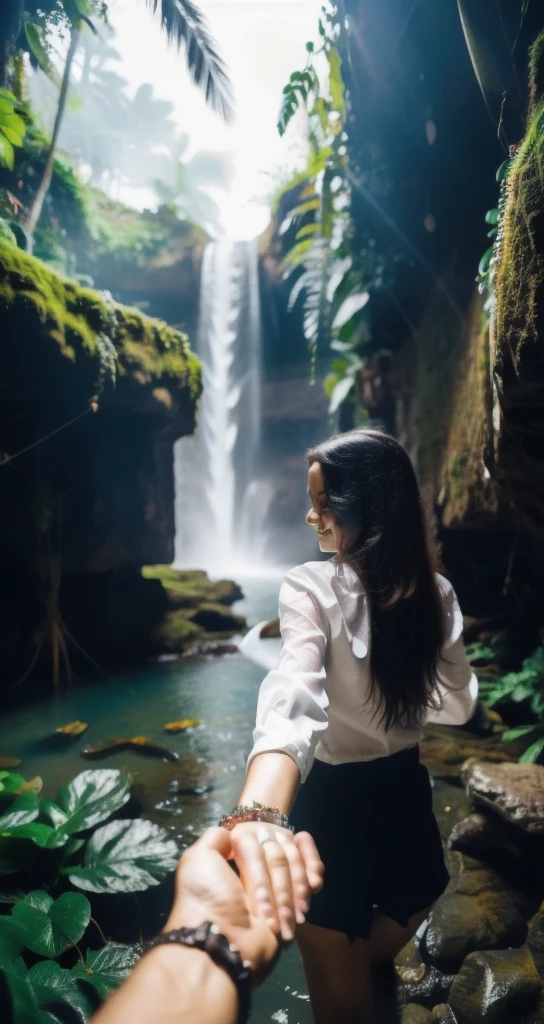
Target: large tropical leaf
x: 52, y: 925
x: 24, y: 809
x: 24, y: 1006
x: 184, y: 24
x: 41, y: 835
x: 125, y: 856
x: 92, y: 797
x: 12, y: 940
x: 108, y: 967
x: 53, y: 986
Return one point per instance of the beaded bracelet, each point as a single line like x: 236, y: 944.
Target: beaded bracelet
x: 208, y: 938
x: 258, y: 812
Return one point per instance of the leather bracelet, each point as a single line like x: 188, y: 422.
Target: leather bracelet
x: 258, y: 812
x: 209, y: 939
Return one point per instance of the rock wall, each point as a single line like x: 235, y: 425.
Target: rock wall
x: 518, y: 335
x: 93, y: 397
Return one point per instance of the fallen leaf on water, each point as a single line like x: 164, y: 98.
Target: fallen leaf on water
x: 34, y: 785
x: 105, y: 747
x: 143, y: 744
x: 10, y: 762
x: 184, y: 723
x: 140, y: 743
x: 73, y: 728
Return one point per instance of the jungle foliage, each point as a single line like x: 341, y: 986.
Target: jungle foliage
x: 332, y: 279
x: 56, y: 962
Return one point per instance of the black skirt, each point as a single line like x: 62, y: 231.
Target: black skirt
x: 375, y: 830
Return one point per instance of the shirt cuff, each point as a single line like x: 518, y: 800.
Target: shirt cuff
x: 266, y: 745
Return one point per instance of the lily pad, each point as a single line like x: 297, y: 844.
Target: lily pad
x: 184, y: 723
x: 73, y: 728
x: 10, y: 762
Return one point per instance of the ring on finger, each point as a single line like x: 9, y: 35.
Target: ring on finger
x: 264, y: 836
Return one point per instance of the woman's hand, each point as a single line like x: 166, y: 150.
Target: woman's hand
x: 279, y: 872
x: 207, y: 889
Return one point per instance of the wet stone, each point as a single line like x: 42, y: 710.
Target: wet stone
x: 420, y: 982
x: 192, y: 775
x: 535, y: 940
x: 514, y: 791
x: 431, y: 987
x: 460, y: 924
x: 489, y: 839
x: 496, y: 988
x: 444, y: 755
x: 414, y: 1014
x: 442, y: 1015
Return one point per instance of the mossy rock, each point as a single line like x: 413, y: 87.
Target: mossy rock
x: 215, y: 618
x: 175, y: 633
x: 45, y: 317
x: 189, y: 589
x: 519, y: 321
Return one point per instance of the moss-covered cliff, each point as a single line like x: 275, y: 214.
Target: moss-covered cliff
x: 47, y: 319
x: 518, y: 348
x: 93, y: 397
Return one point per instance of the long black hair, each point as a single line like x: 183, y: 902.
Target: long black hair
x: 372, y: 491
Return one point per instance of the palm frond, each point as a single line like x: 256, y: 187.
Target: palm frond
x: 184, y: 23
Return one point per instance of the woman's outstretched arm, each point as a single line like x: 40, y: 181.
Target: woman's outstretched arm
x: 291, y: 715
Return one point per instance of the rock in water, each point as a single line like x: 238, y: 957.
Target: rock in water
x: 414, y: 1014
x: 496, y: 988
x: 490, y: 840
x: 443, y: 1015
x: 270, y: 630
x: 476, y: 912
x: 515, y: 791
x: 420, y: 982
x: 193, y: 775
x: 535, y: 941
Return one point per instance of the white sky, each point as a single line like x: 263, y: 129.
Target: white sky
x: 262, y: 42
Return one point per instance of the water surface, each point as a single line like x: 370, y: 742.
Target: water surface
x: 222, y: 692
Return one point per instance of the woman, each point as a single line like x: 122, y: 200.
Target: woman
x: 372, y: 648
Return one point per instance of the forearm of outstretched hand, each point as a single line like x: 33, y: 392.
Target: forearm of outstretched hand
x: 273, y: 779
x: 170, y: 985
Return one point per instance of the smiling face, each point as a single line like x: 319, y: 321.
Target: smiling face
x: 319, y: 517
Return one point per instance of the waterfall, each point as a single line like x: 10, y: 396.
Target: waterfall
x: 219, y: 520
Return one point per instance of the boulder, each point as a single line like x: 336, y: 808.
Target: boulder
x: 476, y: 912
x: 514, y: 791
x: 495, y: 988
x: 489, y: 839
x: 216, y: 618
x: 444, y: 751
x: 421, y: 983
x: 535, y: 941
x: 271, y: 630
x: 211, y: 649
x: 442, y: 1014
x: 415, y: 1014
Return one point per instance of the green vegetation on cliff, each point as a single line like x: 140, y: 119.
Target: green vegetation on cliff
x: 519, y: 322
x: 104, y: 339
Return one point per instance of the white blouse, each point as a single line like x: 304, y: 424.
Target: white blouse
x: 314, y: 701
